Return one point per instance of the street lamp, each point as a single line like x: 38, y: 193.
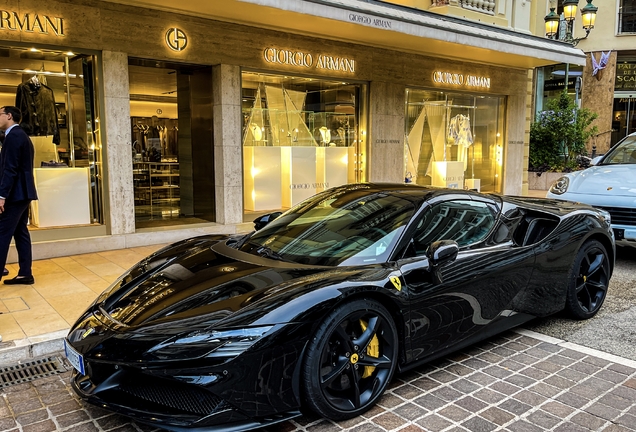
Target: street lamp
x: 588, y: 15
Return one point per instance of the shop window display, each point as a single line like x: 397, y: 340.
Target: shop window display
x: 454, y: 140
x: 300, y: 136
x: 54, y: 90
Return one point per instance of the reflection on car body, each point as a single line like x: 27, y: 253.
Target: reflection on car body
x: 320, y: 306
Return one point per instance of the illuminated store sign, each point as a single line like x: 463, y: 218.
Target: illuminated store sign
x: 457, y: 79
x: 308, y: 60
x: 28, y: 23
x: 176, y: 39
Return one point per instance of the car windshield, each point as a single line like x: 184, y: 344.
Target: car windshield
x: 623, y: 153
x: 345, y: 226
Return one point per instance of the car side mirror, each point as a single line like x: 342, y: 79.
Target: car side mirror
x: 442, y: 252
x: 261, y: 221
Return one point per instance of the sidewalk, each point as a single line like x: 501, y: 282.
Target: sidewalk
x: 36, y: 317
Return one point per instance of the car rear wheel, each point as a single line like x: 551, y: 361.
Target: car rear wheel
x: 350, y: 360
x: 589, y: 279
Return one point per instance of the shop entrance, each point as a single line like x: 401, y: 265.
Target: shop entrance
x: 172, y: 143
x: 623, y: 116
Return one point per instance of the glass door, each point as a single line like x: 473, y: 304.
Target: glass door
x: 624, y: 116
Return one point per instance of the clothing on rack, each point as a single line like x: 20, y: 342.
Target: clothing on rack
x: 459, y: 130
x: 37, y: 105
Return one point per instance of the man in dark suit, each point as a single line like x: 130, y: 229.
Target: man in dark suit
x: 17, y: 190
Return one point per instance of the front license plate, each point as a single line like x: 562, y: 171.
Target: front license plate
x: 74, y: 357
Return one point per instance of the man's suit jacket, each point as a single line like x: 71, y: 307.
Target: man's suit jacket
x: 16, y: 167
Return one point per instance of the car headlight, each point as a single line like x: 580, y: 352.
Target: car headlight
x: 209, y: 343
x: 560, y: 186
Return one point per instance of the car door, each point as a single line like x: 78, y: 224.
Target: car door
x: 451, y: 304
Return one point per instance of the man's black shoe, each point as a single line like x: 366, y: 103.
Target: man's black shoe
x: 5, y: 272
x: 20, y: 280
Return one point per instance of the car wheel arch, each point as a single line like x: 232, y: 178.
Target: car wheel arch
x: 607, y: 244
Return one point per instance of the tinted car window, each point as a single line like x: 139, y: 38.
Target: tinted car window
x: 336, y: 228
x: 623, y: 153
x: 467, y: 222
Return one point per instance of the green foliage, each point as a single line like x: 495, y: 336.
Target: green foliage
x: 559, y: 134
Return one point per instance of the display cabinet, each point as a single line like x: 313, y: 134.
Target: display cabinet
x: 156, y: 190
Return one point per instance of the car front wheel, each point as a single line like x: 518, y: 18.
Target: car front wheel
x: 588, y: 282
x: 350, y: 360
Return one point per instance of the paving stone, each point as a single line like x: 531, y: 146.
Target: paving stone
x: 520, y: 380
x: 478, y: 424
x: 426, y: 383
x: 443, y: 376
x: 64, y: 407
x: 572, y: 375
x: 366, y: 427
x: 627, y: 420
x: 489, y: 396
x: 475, y: 363
x: 562, y: 360
x: 446, y: 393
x: 504, y: 352
x: 497, y: 416
x: 460, y: 370
x: 523, y: 426
x: 586, y: 391
x: 529, y: 397
x: 589, y: 421
x: 625, y: 370
x: 454, y: 413
x: 481, y: 378
x: 490, y: 357
x: 558, y: 409
x: 465, y: 386
x: 543, y: 419
x: 527, y: 340
x: 410, y: 411
x: 72, y: 418
x: 535, y: 373
x: 631, y: 383
x: 615, y: 401
x: 597, y: 361
x: 434, y: 423
x: 471, y: 404
x: 498, y: 372
x: 7, y: 423
x: 572, y: 399
x: 32, y: 417
x: 524, y: 358
x: 514, y: 406
x: 559, y: 382
x: 545, y: 389
x: 601, y: 410
x: 407, y: 391
x: 573, y: 354
x: 615, y: 428
x: 389, y: 421
x: 84, y: 427
x: 430, y: 402
x: 585, y: 368
x: 512, y: 365
x: 389, y: 400
x: 548, y: 366
x: 516, y: 346
x: 44, y: 426
x: 504, y: 388
x: 570, y: 427
x: 25, y: 406
x: 625, y: 392
x: 610, y: 376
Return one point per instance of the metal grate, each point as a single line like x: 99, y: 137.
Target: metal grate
x: 621, y: 215
x: 25, y: 372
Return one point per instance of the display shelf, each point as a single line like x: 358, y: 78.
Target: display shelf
x: 156, y: 189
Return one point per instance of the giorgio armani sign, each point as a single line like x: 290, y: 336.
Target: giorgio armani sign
x: 31, y: 23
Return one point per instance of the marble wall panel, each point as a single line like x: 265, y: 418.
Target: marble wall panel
x: 116, y: 119
x: 229, y: 205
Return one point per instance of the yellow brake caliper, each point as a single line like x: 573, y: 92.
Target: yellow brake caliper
x: 373, y: 350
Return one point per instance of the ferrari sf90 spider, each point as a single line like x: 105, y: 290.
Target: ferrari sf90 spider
x: 319, y: 307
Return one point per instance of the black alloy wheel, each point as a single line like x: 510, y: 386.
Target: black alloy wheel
x: 350, y: 360
x: 589, y: 279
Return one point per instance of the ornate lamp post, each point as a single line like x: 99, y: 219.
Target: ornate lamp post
x: 588, y: 15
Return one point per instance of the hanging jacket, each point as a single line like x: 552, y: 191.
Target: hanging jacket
x: 37, y: 105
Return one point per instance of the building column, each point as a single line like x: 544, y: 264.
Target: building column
x: 117, y: 152
x: 228, y: 150
x: 386, y: 134
x: 516, y: 147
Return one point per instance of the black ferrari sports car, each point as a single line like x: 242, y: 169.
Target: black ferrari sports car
x: 318, y: 308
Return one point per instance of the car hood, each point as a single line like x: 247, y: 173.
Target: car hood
x: 607, y: 180
x: 204, y: 284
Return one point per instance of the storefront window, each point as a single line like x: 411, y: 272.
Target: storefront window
x: 172, y: 146
x: 54, y: 91
x: 454, y: 140
x: 300, y: 136
x: 552, y: 80
x: 624, y: 110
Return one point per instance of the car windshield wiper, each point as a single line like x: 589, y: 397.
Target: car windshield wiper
x: 266, y: 252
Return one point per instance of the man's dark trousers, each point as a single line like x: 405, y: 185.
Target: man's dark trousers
x: 14, y: 224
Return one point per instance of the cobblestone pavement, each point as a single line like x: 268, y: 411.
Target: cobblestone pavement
x: 516, y: 382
